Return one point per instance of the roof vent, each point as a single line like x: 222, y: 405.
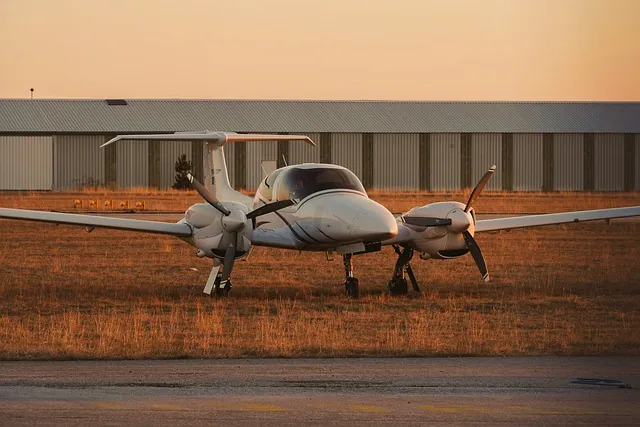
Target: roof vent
x: 115, y: 101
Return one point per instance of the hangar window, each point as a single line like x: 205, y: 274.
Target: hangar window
x: 116, y: 102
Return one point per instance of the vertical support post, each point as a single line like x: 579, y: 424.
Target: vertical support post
x: 507, y: 161
x: 197, y: 159
x: 153, y: 158
x: 589, y: 162
x: 465, y: 160
x: 240, y: 164
x: 629, y: 162
x: 548, y: 162
x: 283, y: 153
x: 367, y: 160
x: 424, y: 153
x: 110, y: 167
x: 325, y: 147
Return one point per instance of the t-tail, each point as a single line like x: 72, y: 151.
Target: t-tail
x: 216, y: 163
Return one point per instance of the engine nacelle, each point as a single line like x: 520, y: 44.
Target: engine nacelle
x: 445, y: 241
x: 213, y: 231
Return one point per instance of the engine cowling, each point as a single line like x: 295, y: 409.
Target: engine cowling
x: 213, y: 231
x: 446, y: 241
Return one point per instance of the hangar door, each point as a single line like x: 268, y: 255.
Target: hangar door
x: 26, y: 162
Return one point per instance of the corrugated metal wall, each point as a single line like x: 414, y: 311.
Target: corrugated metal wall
x: 568, y: 162
x: 229, y: 155
x: 486, y: 150
x: 78, y: 161
x: 302, y: 152
x: 445, y: 161
x: 26, y: 163
x: 132, y: 164
x: 637, y: 162
x: 609, y: 162
x: 396, y: 161
x: 346, y: 150
x: 256, y: 153
x: 169, y: 153
x: 527, y: 161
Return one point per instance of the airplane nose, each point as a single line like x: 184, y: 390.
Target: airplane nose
x: 374, y: 222
x: 345, y: 217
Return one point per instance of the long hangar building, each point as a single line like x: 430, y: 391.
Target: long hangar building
x: 53, y: 144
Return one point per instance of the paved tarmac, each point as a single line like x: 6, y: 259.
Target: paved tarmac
x: 440, y: 391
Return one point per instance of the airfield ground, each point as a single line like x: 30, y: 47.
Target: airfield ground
x: 562, y: 290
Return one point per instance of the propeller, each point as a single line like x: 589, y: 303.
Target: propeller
x: 476, y: 253
x: 424, y: 221
x: 233, y: 223
x: 479, y: 187
x: 207, y: 195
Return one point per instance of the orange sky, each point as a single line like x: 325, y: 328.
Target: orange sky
x: 322, y: 49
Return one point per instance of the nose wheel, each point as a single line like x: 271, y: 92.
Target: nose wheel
x: 398, y: 283
x: 350, y: 283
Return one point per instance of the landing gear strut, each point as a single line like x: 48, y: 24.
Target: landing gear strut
x: 350, y: 283
x: 398, y: 284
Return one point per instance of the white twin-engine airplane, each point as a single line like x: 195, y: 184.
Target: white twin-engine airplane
x: 315, y: 207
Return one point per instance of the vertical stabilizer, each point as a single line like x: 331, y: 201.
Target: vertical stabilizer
x: 217, y: 176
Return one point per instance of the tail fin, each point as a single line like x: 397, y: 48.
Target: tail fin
x: 217, y: 164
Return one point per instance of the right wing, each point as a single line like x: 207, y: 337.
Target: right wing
x: 554, y: 218
x: 174, y: 229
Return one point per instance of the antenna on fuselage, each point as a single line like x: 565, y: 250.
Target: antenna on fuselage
x: 284, y: 159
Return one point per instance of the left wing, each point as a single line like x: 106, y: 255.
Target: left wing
x: 556, y: 218
x: 174, y: 229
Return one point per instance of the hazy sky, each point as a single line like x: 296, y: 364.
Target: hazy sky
x: 321, y: 49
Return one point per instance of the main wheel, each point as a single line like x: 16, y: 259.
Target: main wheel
x: 353, y: 290
x: 222, y: 292
x: 398, y: 286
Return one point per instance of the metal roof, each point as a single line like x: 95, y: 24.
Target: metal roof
x: 138, y: 115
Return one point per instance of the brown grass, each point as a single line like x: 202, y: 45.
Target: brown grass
x: 396, y: 201
x: 571, y: 289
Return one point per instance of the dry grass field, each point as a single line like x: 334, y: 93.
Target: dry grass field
x: 67, y: 294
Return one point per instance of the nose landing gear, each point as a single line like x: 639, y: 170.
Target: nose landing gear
x: 398, y: 284
x: 350, y: 283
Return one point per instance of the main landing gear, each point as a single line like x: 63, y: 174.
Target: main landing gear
x: 398, y: 284
x: 350, y: 283
x: 219, y: 289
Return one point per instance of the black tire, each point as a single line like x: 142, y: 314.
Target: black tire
x: 352, y: 288
x: 398, y: 287
x: 224, y: 292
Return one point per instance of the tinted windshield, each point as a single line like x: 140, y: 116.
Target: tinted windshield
x: 298, y: 183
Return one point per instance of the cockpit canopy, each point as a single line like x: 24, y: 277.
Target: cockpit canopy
x: 296, y: 183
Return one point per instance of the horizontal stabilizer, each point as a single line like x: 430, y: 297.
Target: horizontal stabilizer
x: 218, y: 138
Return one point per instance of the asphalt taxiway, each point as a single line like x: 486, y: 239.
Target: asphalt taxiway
x: 403, y: 391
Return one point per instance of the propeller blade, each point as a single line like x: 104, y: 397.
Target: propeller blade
x: 212, y: 277
x: 207, y: 195
x: 229, y: 258
x: 412, y: 277
x: 477, y: 255
x: 268, y: 208
x: 425, y: 221
x: 479, y: 187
